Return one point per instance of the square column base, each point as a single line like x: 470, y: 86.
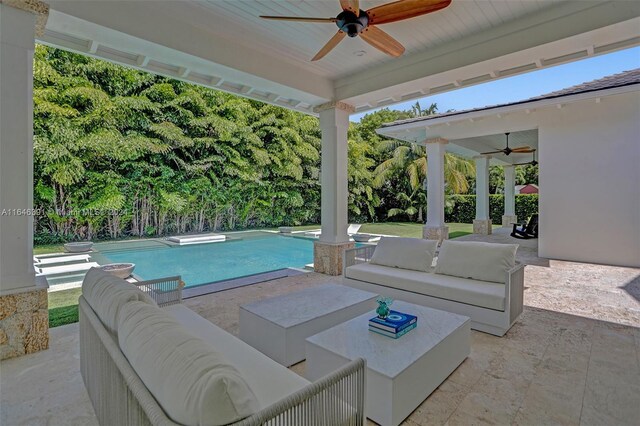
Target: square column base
x: 24, y: 321
x: 328, y: 257
x: 435, y: 232
x: 482, y: 226
x: 509, y: 220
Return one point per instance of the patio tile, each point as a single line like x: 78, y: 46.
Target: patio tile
x: 550, y: 404
x: 490, y: 401
x: 46, y: 387
x: 484, y: 348
x: 442, y: 403
x: 608, y: 400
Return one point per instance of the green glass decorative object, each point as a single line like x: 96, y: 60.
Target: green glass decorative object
x: 383, y: 306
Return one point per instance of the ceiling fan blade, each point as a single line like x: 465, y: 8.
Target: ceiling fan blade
x: 493, y: 152
x: 521, y: 148
x: 300, y: 19
x: 351, y: 5
x: 382, y: 41
x: 404, y: 9
x: 523, y: 151
x: 330, y: 45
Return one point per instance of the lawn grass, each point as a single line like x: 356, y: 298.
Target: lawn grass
x: 48, y: 248
x: 401, y: 229
x: 63, y: 307
x: 414, y: 230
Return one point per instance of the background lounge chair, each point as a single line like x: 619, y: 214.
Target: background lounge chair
x: 61, y: 259
x: 353, y: 229
x: 526, y: 232
x: 52, y: 270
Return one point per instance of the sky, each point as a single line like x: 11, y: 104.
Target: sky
x: 527, y: 85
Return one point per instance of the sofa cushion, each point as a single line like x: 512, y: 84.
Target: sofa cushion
x: 268, y: 380
x: 406, y: 253
x: 477, y: 293
x: 106, y: 294
x: 476, y: 260
x: 192, y: 381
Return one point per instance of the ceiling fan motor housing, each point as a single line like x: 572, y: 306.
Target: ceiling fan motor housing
x: 351, y: 24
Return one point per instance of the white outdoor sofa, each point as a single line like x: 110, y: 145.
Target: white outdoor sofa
x: 117, y: 318
x: 493, y: 299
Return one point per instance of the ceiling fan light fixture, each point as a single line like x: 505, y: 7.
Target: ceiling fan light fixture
x: 352, y: 24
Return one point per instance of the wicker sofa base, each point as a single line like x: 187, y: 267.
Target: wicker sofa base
x: 119, y: 396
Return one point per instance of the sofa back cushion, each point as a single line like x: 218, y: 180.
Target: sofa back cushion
x: 476, y: 260
x: 405, y: 253
x: 106, y: 294
x: 192, y: 382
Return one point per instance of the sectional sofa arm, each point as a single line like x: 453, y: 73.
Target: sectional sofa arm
x: 165, y: 291
x: 514, y: 292
x: 337, y: 398
x: 357, y: 255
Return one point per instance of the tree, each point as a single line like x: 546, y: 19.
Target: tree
x: 408, y: 165
x: 120, y: 152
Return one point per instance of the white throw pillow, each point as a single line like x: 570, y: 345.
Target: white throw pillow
x: 193, y: 383
x: 476, y: 260
x: 405, y: 253
x: 106, y: 294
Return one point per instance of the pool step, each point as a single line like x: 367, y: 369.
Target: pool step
x: 197, y: 239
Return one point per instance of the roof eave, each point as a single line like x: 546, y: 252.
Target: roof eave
x: 391, y: 130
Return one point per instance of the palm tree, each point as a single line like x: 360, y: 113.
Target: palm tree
x: 411, y: 160
x: 408, y: 167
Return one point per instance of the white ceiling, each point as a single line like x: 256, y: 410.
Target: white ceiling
x: 469, y: 147
x: 225, y: 45
x: 300, y: 41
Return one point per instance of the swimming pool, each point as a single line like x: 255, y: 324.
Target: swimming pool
x: 244, y: 254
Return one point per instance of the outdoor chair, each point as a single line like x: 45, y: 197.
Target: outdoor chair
x: 526, y: 231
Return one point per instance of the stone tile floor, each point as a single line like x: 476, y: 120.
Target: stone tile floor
x: 572, y: 358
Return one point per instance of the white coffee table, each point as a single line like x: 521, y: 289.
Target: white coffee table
x: 400, y: 373
x: 278, y: 326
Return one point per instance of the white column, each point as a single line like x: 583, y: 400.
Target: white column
x: 328, y: 251
x: 482, y: 223
x: 435, y: 228
x: 509, y: 216
x: 17, y: 38
x: 334, y: 123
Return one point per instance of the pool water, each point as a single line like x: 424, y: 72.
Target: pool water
x: 198, y: 264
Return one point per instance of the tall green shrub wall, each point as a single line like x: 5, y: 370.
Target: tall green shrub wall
x: 462, y: 208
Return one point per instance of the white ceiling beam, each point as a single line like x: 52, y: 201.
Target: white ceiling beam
x: 141, y: 28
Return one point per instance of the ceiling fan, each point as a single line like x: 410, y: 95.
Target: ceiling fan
x: 507, y: 150
x: 353, y: 21
x: 532, y: 162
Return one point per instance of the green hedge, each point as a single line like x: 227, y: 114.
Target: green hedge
x: 462, y: 208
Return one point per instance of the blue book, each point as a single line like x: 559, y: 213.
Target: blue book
x: 395, y: 322
x: 394, y: 335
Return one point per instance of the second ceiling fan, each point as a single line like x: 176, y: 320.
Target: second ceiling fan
x: 353, y: 21
x: 507, y: 150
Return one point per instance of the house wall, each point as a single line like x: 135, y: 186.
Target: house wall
x: 589, y: 179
